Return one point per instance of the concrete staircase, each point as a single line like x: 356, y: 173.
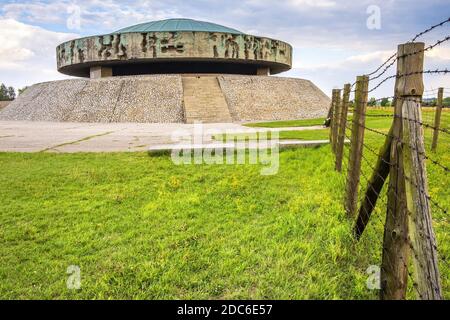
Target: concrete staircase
x: 204, y: 100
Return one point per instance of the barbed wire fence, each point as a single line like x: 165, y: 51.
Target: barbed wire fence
x: 390, y: 170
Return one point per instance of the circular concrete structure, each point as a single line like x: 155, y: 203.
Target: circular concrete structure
x: 174, y: 46
x: 171, y: 71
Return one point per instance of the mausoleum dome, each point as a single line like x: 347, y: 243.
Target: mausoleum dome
x: 173, y: 46
x: 177, y: 25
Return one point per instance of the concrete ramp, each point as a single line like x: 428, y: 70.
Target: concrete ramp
x: 204, y: 100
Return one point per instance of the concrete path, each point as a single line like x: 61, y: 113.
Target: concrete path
x: 23, y: 136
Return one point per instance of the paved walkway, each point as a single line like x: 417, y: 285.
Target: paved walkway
x: 22, y: 136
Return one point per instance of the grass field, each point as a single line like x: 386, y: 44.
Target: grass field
x: 322, y: 134
x: 140, y: 227
x: 289, y: 123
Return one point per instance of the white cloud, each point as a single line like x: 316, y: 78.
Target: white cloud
x: 377, y: 56
x: 297, y: 4
x: 363, y: 62
x: 22, y: 42
x: 36, y: 12
x: 101, y: 15
x: 329, y: 75
x: 439, y: 53
x: 312, y: 3
x: 28, y: 53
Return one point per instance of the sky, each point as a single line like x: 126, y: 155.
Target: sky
x: 334, y: 40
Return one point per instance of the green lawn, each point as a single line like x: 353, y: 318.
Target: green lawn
x: 289, y: 123
x: 310, y: 122
x: 140, y: 227
x: 306, y: 135
x: 322, y: 134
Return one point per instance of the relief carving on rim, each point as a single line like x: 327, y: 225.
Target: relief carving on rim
x: 172, y: 45
x: 112, y: 45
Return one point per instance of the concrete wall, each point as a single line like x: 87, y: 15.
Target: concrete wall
x: 159, y: 99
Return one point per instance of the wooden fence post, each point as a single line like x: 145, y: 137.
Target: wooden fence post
x: 356, y: 148
x: 336, y: 116
x: 342, y: 127
x: 334, y: 110
x: 327, y: 123
x: 421, y: 234
x: 374, y: 186
x: 394, y: 265
x: 437, y: 121
x: 330, y: 115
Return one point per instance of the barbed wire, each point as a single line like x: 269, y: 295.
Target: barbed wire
x: 435, y: 162
x: 420, y: 34
x: 403, y: 143
x: 436, y: 71
x: 368, y: 163
x: 388, y: 60
x: 385, y: 63
x: 382, y: 244
x: 368, y: 195
x: 373, y: 205
x: 423, y: 124
x: 431, y: 47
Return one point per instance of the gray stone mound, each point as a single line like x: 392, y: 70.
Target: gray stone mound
x: 273, y: 98
x: 159, y: 99
x: 152, y: 99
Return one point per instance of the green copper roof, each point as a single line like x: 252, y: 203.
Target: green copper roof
x: 171, y: 25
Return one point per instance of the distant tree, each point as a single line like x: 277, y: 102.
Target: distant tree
x: 385, y: 102
x: 446, y: 102
x: 3, y: 92
x: 22, y: 90
x: 372, y: 102
x: 7, y: 93
x: 11, y: 93
x: 433, y: 102
x: 429, y: 102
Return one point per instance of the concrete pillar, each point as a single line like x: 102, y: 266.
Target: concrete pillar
x: 101, y: 72
x: 263, y: 71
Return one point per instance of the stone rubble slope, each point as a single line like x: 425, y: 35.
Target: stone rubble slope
x: 159, y: 99
x: 273, y: 98
x: 144, y: 99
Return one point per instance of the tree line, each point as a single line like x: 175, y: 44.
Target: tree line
x: 386, y: 102
x: 7, y: 93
